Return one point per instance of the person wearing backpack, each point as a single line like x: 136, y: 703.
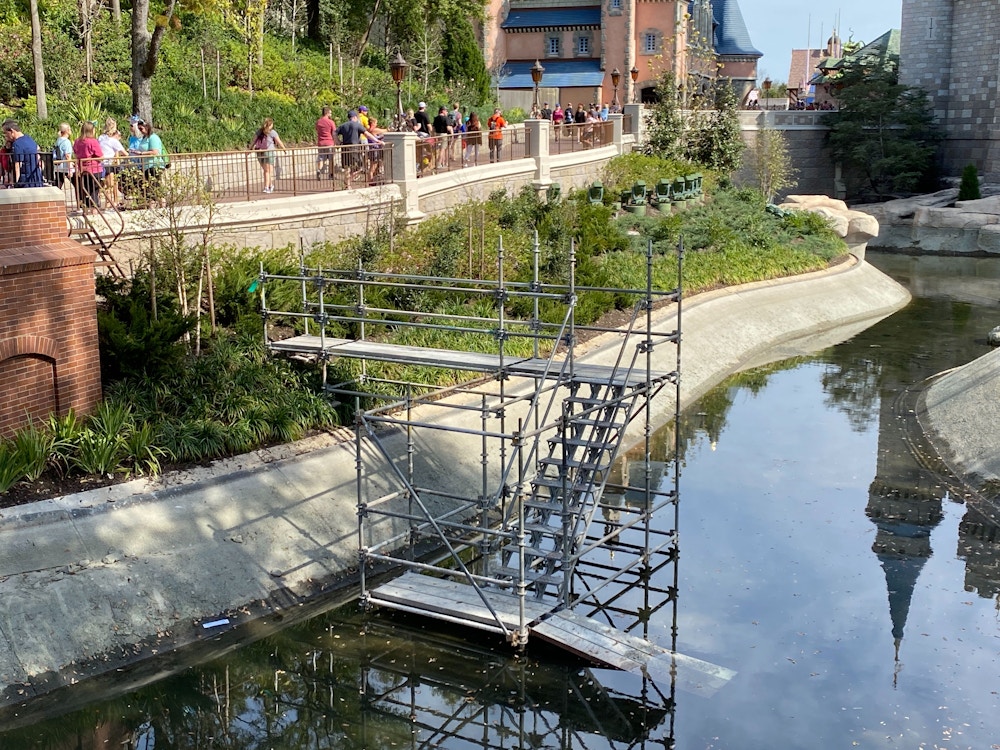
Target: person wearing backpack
x: 265, y: 143
x: 62, y: 155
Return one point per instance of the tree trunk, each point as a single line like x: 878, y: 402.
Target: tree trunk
x: 41, y: 106
x: 142, y: 86
x: 145, y: 53
x: 116, y: 12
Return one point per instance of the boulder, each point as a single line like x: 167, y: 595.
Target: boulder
x: 856, y: 227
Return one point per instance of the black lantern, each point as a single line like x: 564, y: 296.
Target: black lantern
x: 536, y: 78
x: 398, y: 68
x: 635, y: 77
x: 616, y: 78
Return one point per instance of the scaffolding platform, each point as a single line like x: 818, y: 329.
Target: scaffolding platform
x: 466, y: 361
x: 456, y: 602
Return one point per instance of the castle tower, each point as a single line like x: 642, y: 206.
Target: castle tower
x: 949, y: 49
x: 925, y: 50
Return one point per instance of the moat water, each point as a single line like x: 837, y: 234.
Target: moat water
x: 852, y: 587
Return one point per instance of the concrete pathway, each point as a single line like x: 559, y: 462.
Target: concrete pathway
x: 110, y: 577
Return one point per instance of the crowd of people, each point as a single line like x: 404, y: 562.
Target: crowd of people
x: 120, y: 172
x: 98, y: 167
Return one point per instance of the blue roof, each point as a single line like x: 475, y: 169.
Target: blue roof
x: 552, y: 17
x: 731, y: 35
x: 558, y: 74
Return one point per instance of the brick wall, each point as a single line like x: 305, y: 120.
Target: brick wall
x: 48, y: 323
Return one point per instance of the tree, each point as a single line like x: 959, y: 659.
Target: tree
x: 463, y: 60
x: 708, y: 133
x: 769, y: 160
x: 146, y: 52
x: 884, y: 133
x: 713, y: 134
x: 969, y: 189
x: 41, y: 105
x: 664, y: 122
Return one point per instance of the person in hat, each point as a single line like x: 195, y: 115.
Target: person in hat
x: 546, y: 112
x: 422, y: 119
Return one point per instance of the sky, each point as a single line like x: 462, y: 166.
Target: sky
x: 778, y: 26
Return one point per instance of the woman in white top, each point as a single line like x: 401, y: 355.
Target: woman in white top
x: 114, y: 154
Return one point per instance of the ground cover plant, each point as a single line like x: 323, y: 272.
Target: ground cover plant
x: 167, y: 402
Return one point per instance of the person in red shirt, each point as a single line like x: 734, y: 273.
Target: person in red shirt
x: 326, y: 127
x: 89, y: 168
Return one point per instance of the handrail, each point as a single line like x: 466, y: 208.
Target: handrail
x: 240, y: 175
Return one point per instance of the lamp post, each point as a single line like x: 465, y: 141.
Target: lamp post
x: 536, y: 78
x: 766, y: 85
x: 635, y: 77
x: 616, y: 77
x: 398, y: 68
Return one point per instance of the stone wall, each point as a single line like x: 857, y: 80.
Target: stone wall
x: 806, y: 135
x: 949, y: 49
x: 49, y: 359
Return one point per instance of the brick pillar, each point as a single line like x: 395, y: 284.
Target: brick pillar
x: 49, y: 359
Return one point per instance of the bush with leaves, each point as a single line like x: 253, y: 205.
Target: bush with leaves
x: 968, y: 190
x: 136, y: 336
x: 883, y: 132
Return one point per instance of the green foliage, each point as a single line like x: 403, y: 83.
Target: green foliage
x: 34, y: 445
x: 968, y: 190
x: 462, y: 59
x: 770, y: 162
x: 712, y: 134
x: 132, y: 341
x: 707, y: 132
x: 664, y: 121
x: 883, y: 132
x: 12, y: 466
x: 623, y: 172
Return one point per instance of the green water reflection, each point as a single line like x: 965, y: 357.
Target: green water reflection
x: 825, y: 558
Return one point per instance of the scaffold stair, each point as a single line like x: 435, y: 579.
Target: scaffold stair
x: 566, y: 491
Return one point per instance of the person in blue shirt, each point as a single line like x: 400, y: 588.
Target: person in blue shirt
x: 24, y: 155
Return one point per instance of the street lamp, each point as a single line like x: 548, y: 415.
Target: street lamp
x: 536, y: 78
x: 766, y: 85
x: 398, y: 68
x: 635, y: 77
x: 616, y: 77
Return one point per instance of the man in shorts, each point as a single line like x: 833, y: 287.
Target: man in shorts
x: 349, y: 135
x: 325, y: 140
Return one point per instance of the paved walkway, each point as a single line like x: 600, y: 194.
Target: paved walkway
x: 98, y: 580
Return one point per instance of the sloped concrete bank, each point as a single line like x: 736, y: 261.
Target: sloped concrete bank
x: 960, y: 414
x: 120, y: 575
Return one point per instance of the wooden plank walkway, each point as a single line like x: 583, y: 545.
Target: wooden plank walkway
x: 446, y: 599
x: 604, y: 644
x: 457, y: 360
x: 454, y: 601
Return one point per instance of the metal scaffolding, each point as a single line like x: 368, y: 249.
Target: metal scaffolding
x: 550, y: 523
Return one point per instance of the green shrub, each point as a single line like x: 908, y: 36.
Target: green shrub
x: 132, y: 341
x: 969, y: 188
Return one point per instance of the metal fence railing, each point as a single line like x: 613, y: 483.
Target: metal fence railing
x: 233, y: 175
x: 579, y: 136
x: 448, y: 152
